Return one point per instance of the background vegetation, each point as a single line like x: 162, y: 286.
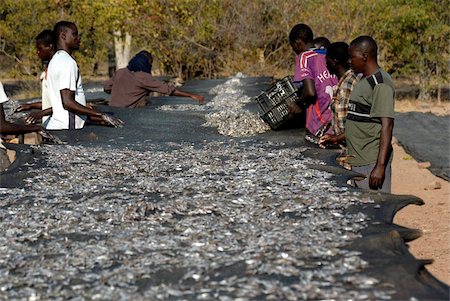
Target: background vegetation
x: 213, y: 38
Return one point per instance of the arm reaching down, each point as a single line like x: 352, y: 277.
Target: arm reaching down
x: 69, y: 103
x: 307, y: 95
x: 29, y: 106
x: 377, y: 175
x: 13, y: 128
x: 196, y: 97
x: 34, y: 117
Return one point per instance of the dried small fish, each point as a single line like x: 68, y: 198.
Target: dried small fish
x: 236, y: 123
x: 234, y: 217
x: 181, y: 107
x: 226, y: 110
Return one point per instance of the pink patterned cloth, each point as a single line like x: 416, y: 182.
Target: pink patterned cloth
x: 311, y: 65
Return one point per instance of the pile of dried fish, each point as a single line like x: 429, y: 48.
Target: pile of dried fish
x: 231, y: 118
x: 229, y: 95
x: 94, y: 90
x: 10, y: 107
x: 236, y: 123
x: 181, y: 107
x: 226, y: 111
x: 217, y: 221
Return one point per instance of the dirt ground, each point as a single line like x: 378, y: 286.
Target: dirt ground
x: 433, y: 218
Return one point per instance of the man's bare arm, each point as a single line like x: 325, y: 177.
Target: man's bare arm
x: 69, y: 103
x: 377, y: 175
x: 13, y: 128
x: 308, y: 92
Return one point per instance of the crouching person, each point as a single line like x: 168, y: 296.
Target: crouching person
x: 131, y: 86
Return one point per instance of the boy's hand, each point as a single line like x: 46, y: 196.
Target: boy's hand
x: 33, y: 117
x: 376, y: 178
x: 199, y: 98
x: 24, y: 107
x: 112, y: 121
x: 293, y: 109
x: 326, y: 140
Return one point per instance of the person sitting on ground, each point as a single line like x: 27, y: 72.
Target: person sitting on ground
x: 65, y: 87
x: 45, y: 46
x: 130, y: 86
x: 370, y: 118
x: 337, y: 62
x: 317, y: 83
x: 9, y: 128
x: 321, y: 44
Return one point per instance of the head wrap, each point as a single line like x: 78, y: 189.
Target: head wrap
x: 321, y: 50
x: 140, y: 62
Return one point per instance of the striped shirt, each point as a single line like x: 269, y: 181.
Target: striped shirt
x: 341, y: 97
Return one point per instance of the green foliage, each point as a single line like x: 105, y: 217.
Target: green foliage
x: 414, y: 39
x: 210, y: 38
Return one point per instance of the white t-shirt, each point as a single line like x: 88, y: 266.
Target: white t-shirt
x: 63, y: 74
x: 45, y: 95
x: 3, y: 97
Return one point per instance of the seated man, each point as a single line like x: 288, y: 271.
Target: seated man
x: 130, y: 86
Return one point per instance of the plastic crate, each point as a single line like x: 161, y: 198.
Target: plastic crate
x: 274, y: 102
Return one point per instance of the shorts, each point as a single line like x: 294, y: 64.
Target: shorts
x: 366, y: 170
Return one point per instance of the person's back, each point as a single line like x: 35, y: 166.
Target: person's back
x: 130, y: 88
x: 311, y: 65
x: 46, y: 103
x: 318, y: 83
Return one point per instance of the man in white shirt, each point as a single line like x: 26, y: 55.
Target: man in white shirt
x: 65, y: 89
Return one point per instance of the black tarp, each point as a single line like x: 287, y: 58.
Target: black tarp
x: 382, y: 244
x: 427, y: 138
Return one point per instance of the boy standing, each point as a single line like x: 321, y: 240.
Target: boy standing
x: 317, y: 82
x: 337, y: 63
x: 45, y: 46
x: 370, y: 119
x: 64, y: 84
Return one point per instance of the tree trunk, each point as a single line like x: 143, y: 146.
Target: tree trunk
x: 424, y: 78
x: 122, y: 47
x: 438, y: 76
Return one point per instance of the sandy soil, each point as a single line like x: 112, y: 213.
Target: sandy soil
x: 431, y: 106
x: 433, y: 218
